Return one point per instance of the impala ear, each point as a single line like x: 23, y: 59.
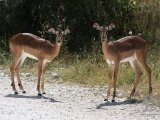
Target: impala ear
x: 66, y: 31
x: 52, y: 30
x: 96, y: 25
x: 130, y: 33
x: 111, y: 26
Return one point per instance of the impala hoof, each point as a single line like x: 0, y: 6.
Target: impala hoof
x: 44, y: 93
x: 24, y: 92
x: 113, y: 100
x: 105, y: 99
x: 39, y: 94
x: 16, y: 92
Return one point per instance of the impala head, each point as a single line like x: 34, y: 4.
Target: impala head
x: 59, y: 34
x: 103, y: 30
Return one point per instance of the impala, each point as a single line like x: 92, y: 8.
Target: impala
x: 130, y: 49
x: 25, y: 45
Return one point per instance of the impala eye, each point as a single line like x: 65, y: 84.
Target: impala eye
x: 57, y: 32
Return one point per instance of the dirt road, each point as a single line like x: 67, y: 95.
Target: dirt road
x: 67, y: 102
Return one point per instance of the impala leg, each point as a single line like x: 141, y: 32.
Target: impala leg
x: 17, y: 74
x: 142, y: 61
x: 12, y: 78
x: 138, y: 72
x: 42, y: 77
x: 115, y: 79
x: 148, y: 71
x: 110, y: 75
x: 12, y: 71
x: 39, y: 76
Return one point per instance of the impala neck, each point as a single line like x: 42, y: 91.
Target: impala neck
x: 55, y: 50
x: 104, y: 43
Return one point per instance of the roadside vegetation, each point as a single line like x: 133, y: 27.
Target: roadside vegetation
x: 90, y: 69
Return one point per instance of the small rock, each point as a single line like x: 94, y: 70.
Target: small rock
x: 27, y: 74
x: 2, y: 74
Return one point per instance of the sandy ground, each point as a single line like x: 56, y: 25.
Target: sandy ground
x: 67, y: 102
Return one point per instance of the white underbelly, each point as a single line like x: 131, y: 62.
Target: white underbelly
x: 132, y: 58
x: 129, y: 59
x: 25, y: 55
x: 29, y: 55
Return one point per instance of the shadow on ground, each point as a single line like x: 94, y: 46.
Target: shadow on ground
x: 125, y: 102
x: 31, y: 97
